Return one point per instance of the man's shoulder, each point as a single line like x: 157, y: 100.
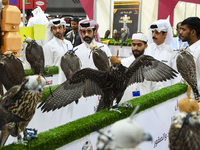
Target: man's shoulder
x: 79, y: 46
x: 69, y: 33
x: 50, y: 43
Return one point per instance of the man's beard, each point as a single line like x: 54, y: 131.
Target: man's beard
x: 137, y: 54
x: 59, y: 35
x: 89, y: 40
x: 184, y: 39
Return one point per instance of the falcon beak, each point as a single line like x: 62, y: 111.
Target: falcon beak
x: 39, y: 88
x: 147, y: 137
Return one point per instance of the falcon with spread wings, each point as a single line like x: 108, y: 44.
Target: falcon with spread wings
x: 109, y: 84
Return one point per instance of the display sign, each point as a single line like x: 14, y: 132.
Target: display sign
x: 41, y: 3
x: 29, y: 4
x: 131, y: 10
x: 14, y: 2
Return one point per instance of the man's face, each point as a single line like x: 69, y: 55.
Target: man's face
x: 138, y: 48
x: 185, y: 33
x: 74, y: 25
x: 88, y: 35
x: 158, y: 37
x: 178, y: 29
x: 58, y: 31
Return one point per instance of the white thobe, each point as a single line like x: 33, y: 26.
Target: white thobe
x: 144, y: 87
x: 53, y: 51
x: 195, y: 51
x: 83, y: 51
x: 165, y: 54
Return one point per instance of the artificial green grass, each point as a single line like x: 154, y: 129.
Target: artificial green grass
x: 128, y: 42
x: 62, y: 135
x: 48, y: 71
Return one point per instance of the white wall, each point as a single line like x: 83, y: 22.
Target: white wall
x: 149, y: 13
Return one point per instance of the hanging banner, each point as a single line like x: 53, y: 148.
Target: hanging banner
x: 129, y: 8
x: 14, y: 2
x: 29, y: 4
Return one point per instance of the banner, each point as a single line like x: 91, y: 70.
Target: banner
x: 29, y: 4
x: 129, y: 8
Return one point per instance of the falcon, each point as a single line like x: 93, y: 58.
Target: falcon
x: 35, y: 56
x: 124, y: 35
x: 109, y: 84
x: 100, y: 59
x: 21, y: 100
x: 107, y: 33
x: 116, y: 35
x: 186, y: 67
x: 123, y: 134
x: 184, y: 133
x: 70, y: 63
x: 6, y: 117
x: 12, y: 71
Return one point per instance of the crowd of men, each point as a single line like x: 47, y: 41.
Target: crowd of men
x: 161, y: 45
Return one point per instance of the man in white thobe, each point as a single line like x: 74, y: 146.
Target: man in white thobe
x: 88, y: 31
x: 38, y: 18
x: 177, y: 43
x: 139, y: 43
x: 57, y: 46
x: 159, y: 46
x: 190, y: 32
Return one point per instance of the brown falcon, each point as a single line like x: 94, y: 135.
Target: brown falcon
x: 12, y: 71
x: 107, y: 33
x: 186, y: 67
x: 21, y: 100
x: 116, y: 35
x: 109, y: 84
x: 100, y: 58
x: 184, y: 133
x: 35, y: 56
x: 70, y: 63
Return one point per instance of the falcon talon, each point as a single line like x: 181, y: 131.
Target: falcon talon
x: 125, y: 105
x: 116, y: 109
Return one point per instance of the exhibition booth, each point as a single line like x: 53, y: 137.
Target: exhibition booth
x: 69, y: 128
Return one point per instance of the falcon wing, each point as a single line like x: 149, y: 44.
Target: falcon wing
x: 12, y: 72
x: 6, y: 116
x: 146, y: 67
x: 86, y: 82
x: 70, y: 63
x: 100, y: 59
x: 10, y: 96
